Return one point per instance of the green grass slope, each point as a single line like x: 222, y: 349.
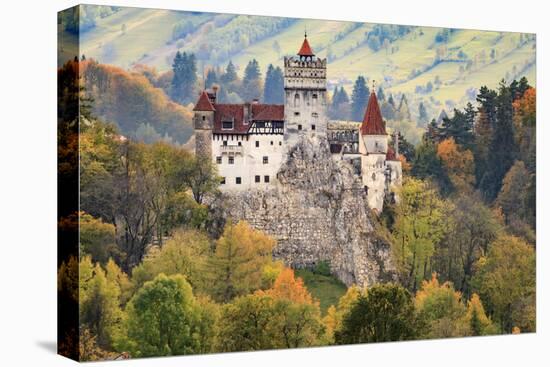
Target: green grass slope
x: 326, y: 289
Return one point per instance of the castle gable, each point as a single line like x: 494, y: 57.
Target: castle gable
x: 237, y: 118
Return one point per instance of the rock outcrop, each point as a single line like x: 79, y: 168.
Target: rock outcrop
x: 317, y: 211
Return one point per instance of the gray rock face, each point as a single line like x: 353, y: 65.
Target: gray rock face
x: 318, y: 211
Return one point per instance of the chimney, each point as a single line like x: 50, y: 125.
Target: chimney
x: 214, y: 93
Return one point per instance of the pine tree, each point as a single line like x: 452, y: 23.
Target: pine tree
x: 359, y: 99
x: 502, y: 149
x: 403, y: 112
x: 251, y: 88
x: 211, y: 78
x: 422, y: 115
x: 184, y: 81
x: 274, y: 85
x: 339, y: 108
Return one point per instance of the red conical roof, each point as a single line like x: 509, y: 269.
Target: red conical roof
x: 373, y: 124
x: 204, y: 104
x: 305, y: 50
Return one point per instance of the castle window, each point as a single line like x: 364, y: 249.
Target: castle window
x: 315, y: 114
x: 271, y: 142
x: 296, y: 100
x: 266, y: 160
x: 239, y: 144
x: 227, y: 125
x: 238, y: 180
x: 257, y: 144
x: 374, y: 176
x: 266, y: 179
x: 225, y: 143
x: 280, y: 143
x: 299, y: 127
x: 203, y: 118
x: 219, y: 160
x: 222, y: 181
x: 312, y: 127
x: 314, y: 99
x: 257, y: 178
x: 296, y: 113
x: 231, y: 160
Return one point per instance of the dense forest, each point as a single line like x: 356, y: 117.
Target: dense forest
x: 160, y: 273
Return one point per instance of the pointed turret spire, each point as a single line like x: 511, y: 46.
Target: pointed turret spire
x: 373, y: 124
x: 305, y: 50
x: 204, y: 103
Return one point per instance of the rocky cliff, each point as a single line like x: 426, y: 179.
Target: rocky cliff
x: 318, y: 211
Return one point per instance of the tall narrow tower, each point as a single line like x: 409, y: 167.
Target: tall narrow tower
x: 305, y: 94
x: 203, y: 121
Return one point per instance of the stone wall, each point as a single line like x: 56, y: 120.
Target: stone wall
x: 317, y: 211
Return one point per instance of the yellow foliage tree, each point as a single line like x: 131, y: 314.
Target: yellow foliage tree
x: 458, y: 163
x: 238, y: 261
x: 288, y: 287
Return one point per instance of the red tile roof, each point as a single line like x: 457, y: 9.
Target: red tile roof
x: 268, y: 112
x: 305, y: 50
x: 241, y: 120
x: 373, y: 124
x: 204, y: 104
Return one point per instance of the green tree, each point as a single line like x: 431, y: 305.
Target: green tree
x: 274, y: 85
x: 419, y: 226
x: 441, y: 310
x: 472, y: 227
x: 505, y: 281
x: 184, y: 82
x: 384, y: 313
x: 359, y: 99
x: 163, y: 318
x: 252, y: 83
x: 100, y: 302
x: 422, y: 115
x: 211, y: 78
x: 185, y: 253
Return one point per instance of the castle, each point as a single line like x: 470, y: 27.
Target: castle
x: 249, y: 142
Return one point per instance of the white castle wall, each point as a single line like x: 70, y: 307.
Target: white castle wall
x: 248, y: 160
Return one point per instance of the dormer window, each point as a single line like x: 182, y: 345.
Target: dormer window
x: 227, y: 125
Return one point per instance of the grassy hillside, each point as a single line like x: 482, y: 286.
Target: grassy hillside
x: 326, y: 289
x: 466, y: 59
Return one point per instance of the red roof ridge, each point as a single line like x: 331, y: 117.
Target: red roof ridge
x: 373, y: 124
x: 204, y: 103
x: 305, y: 50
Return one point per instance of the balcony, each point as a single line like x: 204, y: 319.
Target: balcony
x: 231, y: 149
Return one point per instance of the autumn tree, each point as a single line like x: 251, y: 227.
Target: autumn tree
x: 335, y: 314
x: 458, y: 164
x: 240, y: 255
x: 384, y: 313
x: 163, y: 318
x: 506, y: 282
x: 284, y: 316
x: 480, y: 323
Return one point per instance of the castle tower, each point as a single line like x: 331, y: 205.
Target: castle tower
x: 305, y: 94
x: 203, y: 122
x: 373, y: 147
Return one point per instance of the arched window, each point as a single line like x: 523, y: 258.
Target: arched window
x: 314, y: 99
x: 296, y: 100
